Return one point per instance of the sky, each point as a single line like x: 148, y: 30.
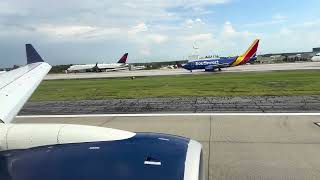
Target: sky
x: 90, y: 31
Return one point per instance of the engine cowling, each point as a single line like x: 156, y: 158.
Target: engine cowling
x: 122, y: 155
x: 24, y: 136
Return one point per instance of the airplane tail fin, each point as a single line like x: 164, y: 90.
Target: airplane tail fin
x: 252, y: 50
x: 32, y: 55
x: 123, y: 59
x: 96, y: 68
x: 248, y: 55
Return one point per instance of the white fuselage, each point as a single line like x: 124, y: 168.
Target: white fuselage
x: 111, y: 66
x: 83, y: 67
x: 316, y: 58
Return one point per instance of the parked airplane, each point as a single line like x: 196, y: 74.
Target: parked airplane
x: 120, y: 65
x: 65, y: 152
x: 212, y: 64
x: 316, y: 58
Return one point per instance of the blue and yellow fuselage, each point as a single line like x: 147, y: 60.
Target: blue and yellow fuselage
x: 224, y: 62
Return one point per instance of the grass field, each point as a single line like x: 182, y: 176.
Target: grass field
x: 223, y: 84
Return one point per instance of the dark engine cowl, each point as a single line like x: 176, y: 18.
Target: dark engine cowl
x: 144, y: 156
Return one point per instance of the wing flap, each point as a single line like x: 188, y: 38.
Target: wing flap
x: 17, y: 86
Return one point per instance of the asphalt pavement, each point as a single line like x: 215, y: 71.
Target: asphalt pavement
x: 176, y: 105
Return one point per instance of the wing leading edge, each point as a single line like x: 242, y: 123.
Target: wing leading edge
x: 17, y: 86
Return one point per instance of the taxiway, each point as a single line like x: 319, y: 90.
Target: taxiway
x: 168, y: 72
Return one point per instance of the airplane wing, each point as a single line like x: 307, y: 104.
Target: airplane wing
x: 17, y: 86
x: 63, y: 152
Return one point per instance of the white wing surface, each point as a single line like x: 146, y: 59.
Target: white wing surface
x: 17, y: 86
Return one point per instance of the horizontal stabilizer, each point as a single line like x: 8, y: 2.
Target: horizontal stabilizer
x: 32, y: 55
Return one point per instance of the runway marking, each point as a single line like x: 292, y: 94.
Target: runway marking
x: 176, y: 114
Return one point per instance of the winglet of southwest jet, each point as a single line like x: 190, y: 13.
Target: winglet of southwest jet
x: 32, y: 55
x: 248, y: 55
x: 123, y: 59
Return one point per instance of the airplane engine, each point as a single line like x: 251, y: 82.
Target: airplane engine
x: 316, y: 58
x: 58, y: 152
x: 210, y: 68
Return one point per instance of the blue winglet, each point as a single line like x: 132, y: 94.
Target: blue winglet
x: 32, y: 55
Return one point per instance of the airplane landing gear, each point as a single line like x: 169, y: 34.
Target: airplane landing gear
x: 219, y: 69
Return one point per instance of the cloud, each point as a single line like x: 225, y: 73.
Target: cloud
x: 275, y: 19
x: 130, y: 5
x: 82, y: 30
x: 190, y: 23
x: 201, y: 3
x: 85, y: 32
x: 157, y: 38
x: 141, y: 27
x: 291, y: 38
x: 228, y: 29
x: 66, y: 30
x: 285, y: 31
x: 279, y: 17
x: 78, y: 32
x: 8, y: 8
x: 198, y: 37
x: 308, y: 24
x: 145, y: 52
x: 198, y: 20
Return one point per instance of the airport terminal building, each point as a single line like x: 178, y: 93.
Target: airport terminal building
x: 288, y: 57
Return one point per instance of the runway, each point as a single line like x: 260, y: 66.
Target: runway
x: 236, y: 146
x: 167, y: 72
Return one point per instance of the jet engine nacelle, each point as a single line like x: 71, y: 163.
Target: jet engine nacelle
x: 62, y: 152
x: 315, y: 59
x: 24, y: 136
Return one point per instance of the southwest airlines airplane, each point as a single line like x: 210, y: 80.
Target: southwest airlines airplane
x: 120, y: 65
x: 224, y: 62
x: 75, y: 152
